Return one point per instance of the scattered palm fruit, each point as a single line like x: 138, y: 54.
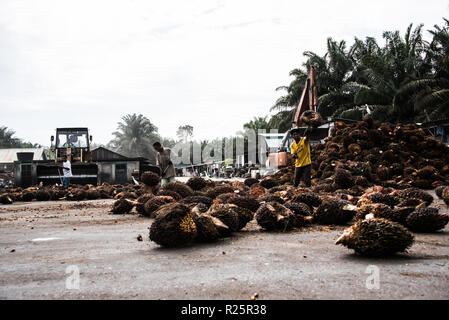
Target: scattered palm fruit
x: 310, y: 199
x: 439, y: 191
x: 270, y: 198
x: 445, y: 196
x: 169, y: 193
x: 244, y: 216
x: 150, y: 179
x: 154, y: 203
x: 5, y: 199
x: 226, y: 214
x: 250, y: 181
x: 174, y: 226
x: 198, y: 199
x: 298, y: 208
x: 122, y: 206
x: 268, y: 183
x: 218, y: 190
x: 180, y: 188
x: 140, y: 206
x: 334, y: 212
x: 376, y: 238
x: 43, y: 195
x: 207, y: 230
x: 273, y: 216
x: 196, y: 183
x: 415, y: 193
x: 427, y: 220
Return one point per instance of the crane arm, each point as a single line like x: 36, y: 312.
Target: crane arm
x: 309, y: 97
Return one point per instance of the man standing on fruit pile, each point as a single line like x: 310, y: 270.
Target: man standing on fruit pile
x: 300, y: 149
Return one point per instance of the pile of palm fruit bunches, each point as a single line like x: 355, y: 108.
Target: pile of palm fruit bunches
x: 370, y: 175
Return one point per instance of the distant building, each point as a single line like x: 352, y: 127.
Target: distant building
x: 106, y: 166
x: 115, y: 168
x: 8, y: 156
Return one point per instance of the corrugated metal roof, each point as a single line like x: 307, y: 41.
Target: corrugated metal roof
x: 10, y: 155
x: 101, y: 153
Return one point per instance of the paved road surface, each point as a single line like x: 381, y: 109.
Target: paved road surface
x: 52, y: 238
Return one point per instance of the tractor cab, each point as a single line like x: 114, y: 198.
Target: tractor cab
x: 73, y: 143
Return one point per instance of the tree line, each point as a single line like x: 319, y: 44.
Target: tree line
x: 404, y: 80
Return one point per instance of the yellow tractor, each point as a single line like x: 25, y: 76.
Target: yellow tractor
x: 71, y: 142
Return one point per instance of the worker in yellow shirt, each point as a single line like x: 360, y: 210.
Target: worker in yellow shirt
x: 300, y: 149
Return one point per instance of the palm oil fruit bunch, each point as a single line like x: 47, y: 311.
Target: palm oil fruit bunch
x: 445, y: 195
x: 244, y: 202
x: 309, y: 198
x: 415, y: 193
x: 334, y: 212
x: 154, y: 203
x: 77, y: 194
x: 439, y: 191
x: 269, y: 183
x: 174, y: 226
x: 376, y: 238
x: 150, y: 179
x: 311, y: 118
x: 197, y: 183
x: 226, y: 214
x: 208, y: 228
x: 93, y: 194
x: 169, y: 193
x: 250, y: 181
x: 122, y: 206
x: 427, y: 220
x: 343, y: 179
x: 198, y: 199
x: 180, y: 188
x: 244, y: 216
x: 43, y: 195
x: 218, y: 190
x: 273, y: 216
x: 5, y: 199
x: 270, y: 198
x: 140, y: 206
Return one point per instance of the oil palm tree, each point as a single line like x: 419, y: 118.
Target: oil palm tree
x: 135, y: 136
x: 6, y: 138
x: 383, y: 72
x: 429, y: 96
x: 335, y: 83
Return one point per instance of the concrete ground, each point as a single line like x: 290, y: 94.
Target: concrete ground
x: 44, y: 245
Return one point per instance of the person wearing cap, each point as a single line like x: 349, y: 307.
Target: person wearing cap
x: 300, y: 149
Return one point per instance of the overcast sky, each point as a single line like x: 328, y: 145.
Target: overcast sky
x: 211, y: 64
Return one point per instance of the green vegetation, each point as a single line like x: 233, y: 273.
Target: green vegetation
x: 135, y: 136
x: 405, y: 80
x: 7, y: 140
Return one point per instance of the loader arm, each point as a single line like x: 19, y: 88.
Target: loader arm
x: 309, y: 97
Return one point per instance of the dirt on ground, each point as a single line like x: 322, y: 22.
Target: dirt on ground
x: 45, y: 247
